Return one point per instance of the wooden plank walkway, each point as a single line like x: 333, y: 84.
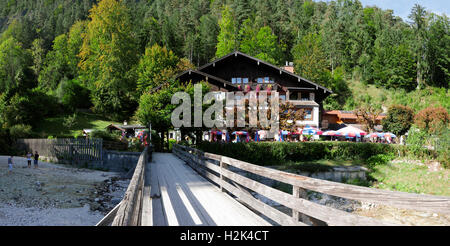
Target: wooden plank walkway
x: 175, y: 195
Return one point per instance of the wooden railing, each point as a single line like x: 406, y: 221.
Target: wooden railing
x: 215, y: 168
x: 128, y: 211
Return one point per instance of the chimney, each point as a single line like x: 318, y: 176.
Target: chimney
x: 289, y: 67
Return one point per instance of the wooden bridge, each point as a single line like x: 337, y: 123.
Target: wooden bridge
x: 190, y: 188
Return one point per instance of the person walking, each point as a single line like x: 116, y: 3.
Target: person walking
x: 29, y: 155
x: 10, y: 164
x: 36, y: 158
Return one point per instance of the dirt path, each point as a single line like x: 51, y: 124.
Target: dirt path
x: 56, y: 194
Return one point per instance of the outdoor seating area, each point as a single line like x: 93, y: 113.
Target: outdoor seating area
x: 307, y: 133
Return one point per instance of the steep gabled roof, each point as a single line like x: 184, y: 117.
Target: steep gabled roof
x: 236, y: 53
x: 206, y: 75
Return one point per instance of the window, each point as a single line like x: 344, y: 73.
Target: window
x: 239, y: 80
x: 308, y: 115
x: 293, y: 96
x: 305, y: 96
x: 283, y: 97
x: 260, y: 80
x: 266, y: 80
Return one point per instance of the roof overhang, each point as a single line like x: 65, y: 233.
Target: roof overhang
x: 261, y: 62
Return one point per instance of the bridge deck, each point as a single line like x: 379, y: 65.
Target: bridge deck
x: 178, y: 196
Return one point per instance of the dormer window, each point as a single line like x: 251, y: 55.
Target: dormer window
x: 265, y: 80
x: 239, y: 80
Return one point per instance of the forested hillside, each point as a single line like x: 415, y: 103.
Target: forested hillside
x: 60, y: 55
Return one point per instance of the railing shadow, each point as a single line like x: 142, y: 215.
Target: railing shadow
x: 173, y: 180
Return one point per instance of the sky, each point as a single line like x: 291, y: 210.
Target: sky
x: 403, y: 8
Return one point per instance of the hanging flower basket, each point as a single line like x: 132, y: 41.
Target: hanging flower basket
x: 269, y: 89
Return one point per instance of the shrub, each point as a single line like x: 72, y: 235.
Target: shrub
x: 399, y: 119
x: 104, y: 135
x: 171, y: 142
x: 156, y: 142
x: 277, y: 153
x: 432, y: 119
x: 73, y: 95
x: 380, y: 159
x: 20, y: 131
x: 70, y: 121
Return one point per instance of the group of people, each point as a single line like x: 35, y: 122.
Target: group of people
x: 30, y: 157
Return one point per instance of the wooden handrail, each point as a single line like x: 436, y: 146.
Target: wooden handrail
x: 129, y: 211
x: 204, y: 163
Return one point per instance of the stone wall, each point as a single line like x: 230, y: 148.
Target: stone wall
x: 118, y: 161
x: 338, y: 174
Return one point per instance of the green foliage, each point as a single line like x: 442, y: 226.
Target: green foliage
x: 341, y: 91
x: 227, y: 38
x: 103, y: 135
x: 70, y: 121
x: 28, y: 109
x: 73, y: 95
x: 20, y: 131
x: 279, y: 153
x: 55, y: 66
x: 156, y: 108
x: 309, y: 58
x: 399, y: 119
x: 157, y: 66
x: 14, y: 66
x: 380, y: 159
x: 417, y: 142
x: 156, y: 142
x: 62, y: 61
x: 171, y: 142
x: 108, y: 54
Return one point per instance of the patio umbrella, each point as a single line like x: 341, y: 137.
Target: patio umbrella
x: 351, y: 134
x: 331, y: 133
x: 371, y: 135
x: 388, y: 134
x: 308, y: 131
x: 351, y: 131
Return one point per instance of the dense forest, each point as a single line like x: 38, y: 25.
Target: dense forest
x: 57, y: 54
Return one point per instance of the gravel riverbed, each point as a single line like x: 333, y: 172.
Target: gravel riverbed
x: 56, y: 194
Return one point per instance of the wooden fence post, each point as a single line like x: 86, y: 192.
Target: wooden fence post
x: 297, y: 192
x: 223, y: 165
x: 300, y: 192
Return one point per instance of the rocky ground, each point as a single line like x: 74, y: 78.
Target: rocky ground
x: 56, y: 194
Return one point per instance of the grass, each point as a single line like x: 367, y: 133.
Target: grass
x: 416, y: 99
x: 411, y: 178
x: 55, y: 126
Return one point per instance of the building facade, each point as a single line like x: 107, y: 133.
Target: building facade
x: 240, y: 72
